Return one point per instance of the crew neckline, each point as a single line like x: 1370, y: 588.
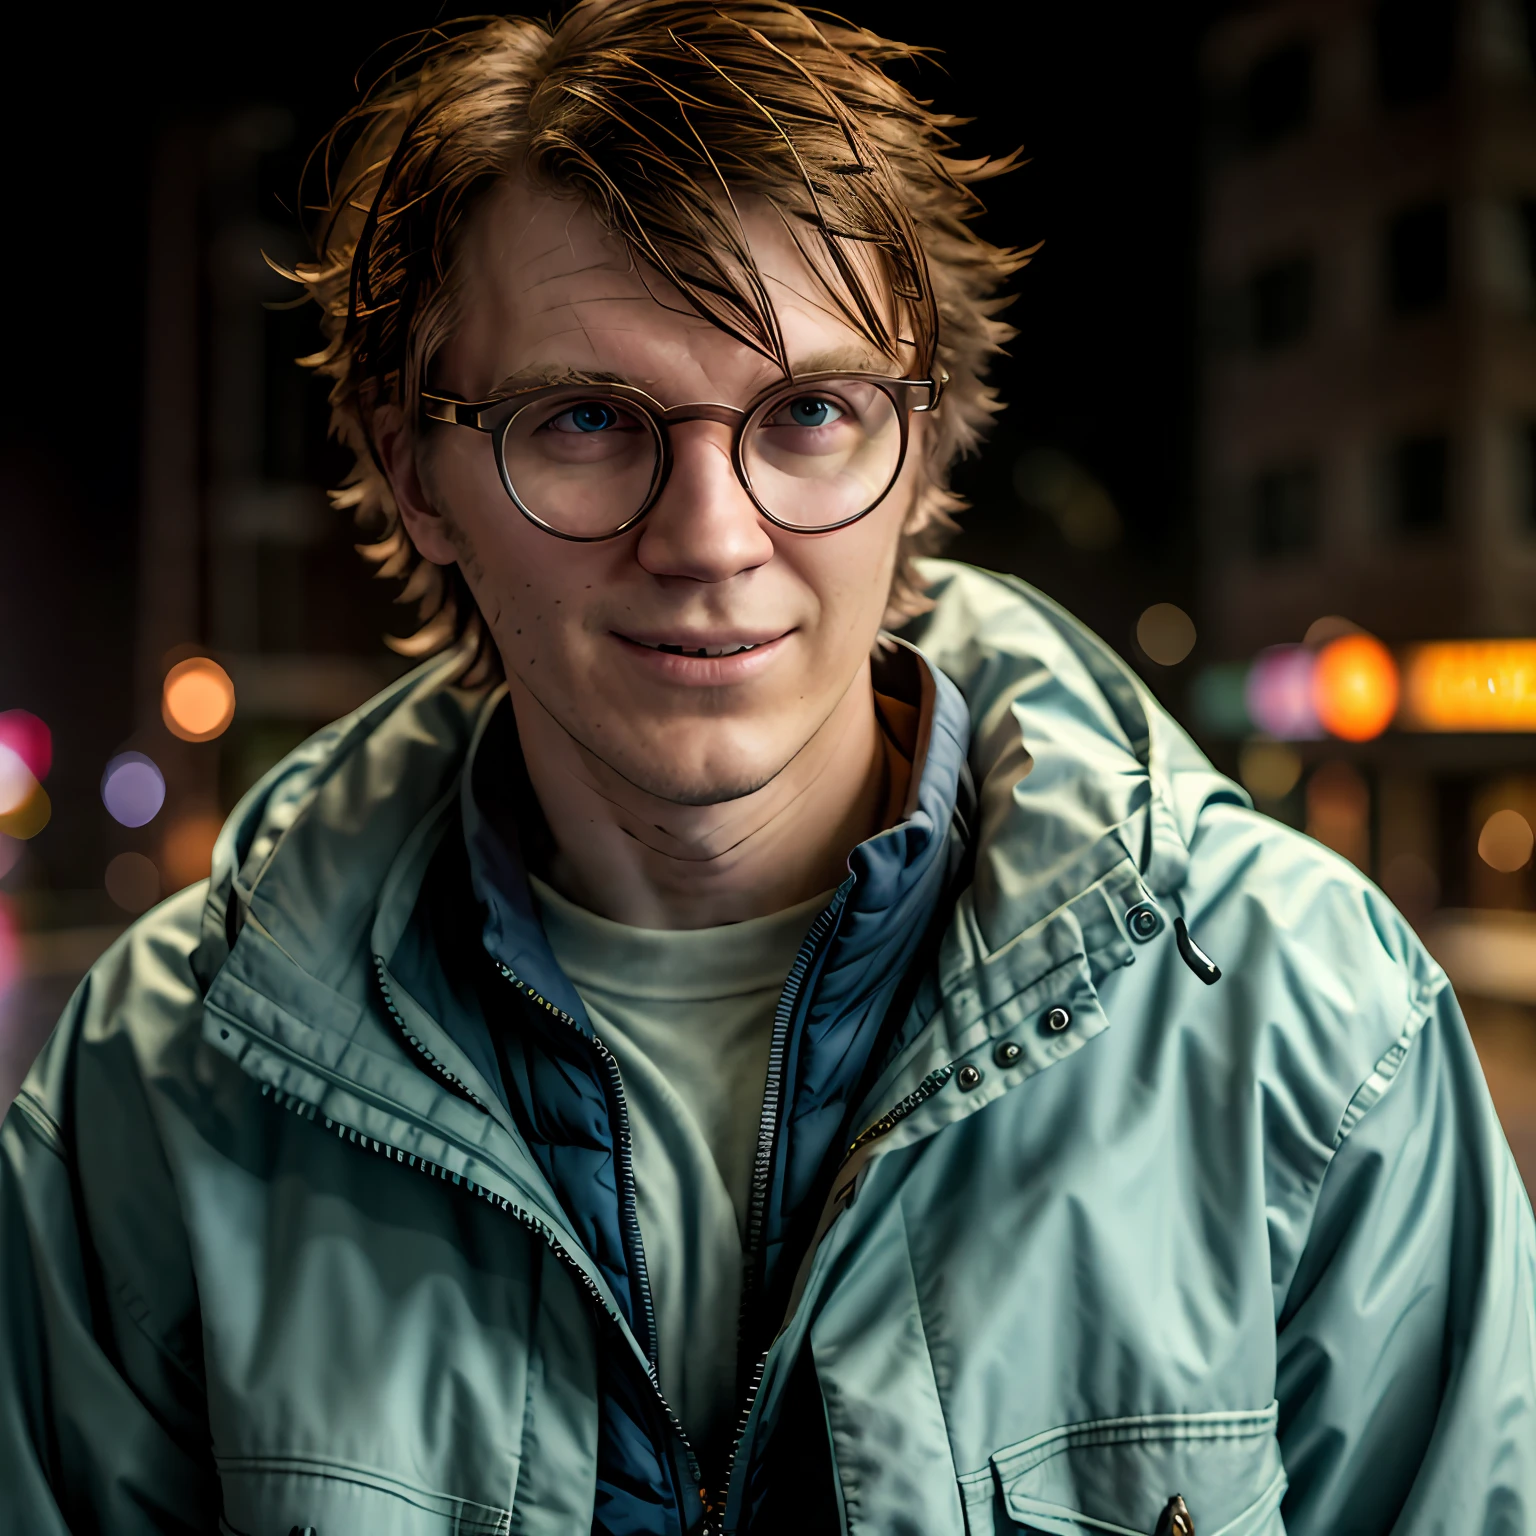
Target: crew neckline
x: 683, y: 964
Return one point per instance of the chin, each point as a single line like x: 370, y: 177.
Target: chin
x: 682, y: 787
x: 667, y: 776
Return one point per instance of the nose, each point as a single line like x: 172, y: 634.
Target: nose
x: 704, y: 526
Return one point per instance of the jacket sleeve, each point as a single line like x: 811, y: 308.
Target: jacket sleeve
x: 103, y: 1427
x: 1407, y: 1342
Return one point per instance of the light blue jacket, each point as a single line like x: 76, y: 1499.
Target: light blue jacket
x: 295, y: 1230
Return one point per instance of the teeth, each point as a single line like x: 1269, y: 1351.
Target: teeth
x: 708, y: 650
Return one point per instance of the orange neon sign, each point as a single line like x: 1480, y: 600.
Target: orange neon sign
x: 1469, y: 685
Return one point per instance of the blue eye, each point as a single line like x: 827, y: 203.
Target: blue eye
x: 591, y: 417
x: 812, y: 411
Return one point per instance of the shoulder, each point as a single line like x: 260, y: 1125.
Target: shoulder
x: 85, y: 1145
x: 1330, y: 1002
x: 126, y: 1016
x: 1305, y: 939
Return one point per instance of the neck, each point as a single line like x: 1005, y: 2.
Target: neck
x: 650, y: 863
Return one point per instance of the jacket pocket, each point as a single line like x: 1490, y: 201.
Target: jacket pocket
x: 1116, y: 1476
x: 273, y: 1495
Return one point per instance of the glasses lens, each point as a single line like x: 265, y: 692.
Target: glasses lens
x: 820, y: 454
x: 581, y: 463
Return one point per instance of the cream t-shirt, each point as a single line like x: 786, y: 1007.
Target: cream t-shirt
x: 688, y: 1015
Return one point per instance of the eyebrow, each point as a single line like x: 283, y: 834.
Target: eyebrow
x: 848, y: 359
x: 539, y: 374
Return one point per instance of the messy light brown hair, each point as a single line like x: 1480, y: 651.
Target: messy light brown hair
x: 654, y: 113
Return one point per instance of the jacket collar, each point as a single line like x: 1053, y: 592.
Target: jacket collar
x: 881, y: 870
x: 1088, y: 794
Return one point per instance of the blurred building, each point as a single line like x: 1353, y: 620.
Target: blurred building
x: 1368, y: 447
x: 242, y: 558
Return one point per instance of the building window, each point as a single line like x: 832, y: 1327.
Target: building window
x: 1419, y: 483
x: 1280, y: 303
x: 1419, y: 259
x: 1277, y: 96
x: 1285, y: 511
x: 1415, y: 49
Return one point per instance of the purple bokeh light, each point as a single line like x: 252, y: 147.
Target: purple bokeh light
x: 132, y: 789
x: 1279, y: 693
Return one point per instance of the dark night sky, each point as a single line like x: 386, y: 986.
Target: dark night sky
x: 1101, y: 96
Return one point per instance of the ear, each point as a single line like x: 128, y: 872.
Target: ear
x: 399, y: 453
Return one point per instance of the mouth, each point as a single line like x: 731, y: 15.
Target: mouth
x: 701, y: 650
x: 707, y: 660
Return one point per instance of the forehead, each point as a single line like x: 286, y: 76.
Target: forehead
x: 547, y: 290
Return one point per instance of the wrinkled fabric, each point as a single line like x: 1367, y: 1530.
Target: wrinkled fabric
x: 281, y: 1247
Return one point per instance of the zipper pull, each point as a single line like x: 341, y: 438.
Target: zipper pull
x: 1175, y: 1519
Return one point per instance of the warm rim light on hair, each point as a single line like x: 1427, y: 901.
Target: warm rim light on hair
x: 198, y: 699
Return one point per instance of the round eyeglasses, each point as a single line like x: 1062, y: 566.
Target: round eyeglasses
x: 588, y: 461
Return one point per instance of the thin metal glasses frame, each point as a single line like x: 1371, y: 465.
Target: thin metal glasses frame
x: 495, y: 417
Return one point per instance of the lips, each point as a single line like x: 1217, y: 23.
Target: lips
x: 702, y: 650
x: 703, y: 660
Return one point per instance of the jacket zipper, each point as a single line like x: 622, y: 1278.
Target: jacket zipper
x: 633, y: 1246
x: 767, y: 1131
x: 899, y: 1111
x: 762, y: 1169
x: 455, y: 1084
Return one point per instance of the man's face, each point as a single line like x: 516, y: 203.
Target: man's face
x: 547, y: 294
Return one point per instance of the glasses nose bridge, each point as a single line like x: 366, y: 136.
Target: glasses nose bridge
x: 701, y: 410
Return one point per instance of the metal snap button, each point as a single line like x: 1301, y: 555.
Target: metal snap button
x: 1056, y: 1020
x: 968, y: 1076
x: 1007, y: 1053
x: 1144, y: 921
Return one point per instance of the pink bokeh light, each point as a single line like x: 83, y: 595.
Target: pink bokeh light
x: 29, y: 739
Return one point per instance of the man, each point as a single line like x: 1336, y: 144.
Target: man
x: 744, y: 1071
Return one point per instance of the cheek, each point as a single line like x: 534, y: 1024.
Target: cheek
x: 516, y: 573
x: 850, y: 572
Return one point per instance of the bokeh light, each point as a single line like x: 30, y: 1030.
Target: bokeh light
x: 198, y: 699
x: 132, y: 789
x: 16, y: 781
x: 1166, y: 633
x: 29, y: 739
x: 1330, y: 627
x: 1356, y: 687
x: 133, y: 882
x: 10, y: 854
x: 1270, y: 770
x: 1217, y: 699
x: 1470, y: 685
x: 24, y: 804
x: 1279, y: 693
x: 1506, y: 841
x: 186, y: 851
